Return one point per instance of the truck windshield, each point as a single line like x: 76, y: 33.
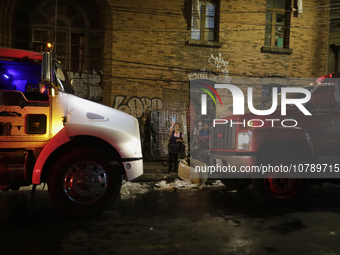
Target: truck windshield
x: 289, y: 96
x: 322, y: 98
x: 24, y: 75
x: 61, y: 79
x: 19, y: 75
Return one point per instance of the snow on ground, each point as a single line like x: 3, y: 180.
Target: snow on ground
x: 131, y: 189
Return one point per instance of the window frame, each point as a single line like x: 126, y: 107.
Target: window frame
x: 203, y: 31
x: 90, y: 22
x: 273, y: 26
x: 273, y: 48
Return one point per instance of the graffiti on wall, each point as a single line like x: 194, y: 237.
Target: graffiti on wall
x: 221, y: 75
x: 87, y: 85
x: 137, y: 106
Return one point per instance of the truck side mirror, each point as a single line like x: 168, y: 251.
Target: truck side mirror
x: 46, y: 66
x: 337, y: 91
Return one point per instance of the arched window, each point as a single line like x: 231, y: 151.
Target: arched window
x: 78, y: 37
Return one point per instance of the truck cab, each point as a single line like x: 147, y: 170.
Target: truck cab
x: 296, y: 140
x: 48, y: 135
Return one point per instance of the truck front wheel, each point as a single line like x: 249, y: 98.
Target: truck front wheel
x: 281, y: 190
x: 82, y: 182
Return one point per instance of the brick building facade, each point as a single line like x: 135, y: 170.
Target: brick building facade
x: 149, y: 50
x: 334, y: 38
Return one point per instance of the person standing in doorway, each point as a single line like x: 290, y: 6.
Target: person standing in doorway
x: 147, y: 136
x: 176, y: 138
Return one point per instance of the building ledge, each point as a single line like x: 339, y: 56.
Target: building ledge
x: 204, y: 43
x: 268, y: 49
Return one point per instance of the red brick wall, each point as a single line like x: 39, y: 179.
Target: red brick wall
x: 154, y: 44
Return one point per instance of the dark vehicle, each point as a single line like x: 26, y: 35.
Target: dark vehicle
x: 309, y: 142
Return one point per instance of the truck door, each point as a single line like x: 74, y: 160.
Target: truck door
x: 24, y: 117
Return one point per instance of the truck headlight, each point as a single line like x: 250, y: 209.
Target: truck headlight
x: 243, y: 141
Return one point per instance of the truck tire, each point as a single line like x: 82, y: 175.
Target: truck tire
x: 276, y: 190
x: 82, y: 182
x: 15, y: 187
x: 234, y: 184
x: 12, y: 187
x: 6, y: 189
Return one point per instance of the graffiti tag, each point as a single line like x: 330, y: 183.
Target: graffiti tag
x: 220, y: 64
x: 137, y: 106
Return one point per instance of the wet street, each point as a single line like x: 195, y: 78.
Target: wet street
x: 174, y: 221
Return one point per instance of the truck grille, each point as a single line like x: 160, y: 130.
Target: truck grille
x: 223, y: 136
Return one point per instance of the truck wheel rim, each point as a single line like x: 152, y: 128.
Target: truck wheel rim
x: 282, y: 187
x: 85, y: 182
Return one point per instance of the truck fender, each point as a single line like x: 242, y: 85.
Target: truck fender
x: 118, y: 139
x: 59, y: 139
